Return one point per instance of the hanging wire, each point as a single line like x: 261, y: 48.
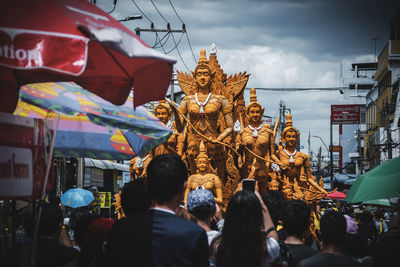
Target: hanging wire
x: 179, y: 53
x: 161, y: 15
x: 159, y: 43
x: 176, y: 45
x: 176, y: 12
x: 144, y: 15
x: 187, y: 36
x: 162, y: 46
x: 112, y: 10
x: 194, y: 57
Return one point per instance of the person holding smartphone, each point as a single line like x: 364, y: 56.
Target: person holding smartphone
x: 248, y: 237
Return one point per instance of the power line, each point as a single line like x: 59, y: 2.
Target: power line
x: 158, y: 11
x: 179, y: 53
x: 176, y: 45
x: 176, y: 12
x: 112, y: 10
x: 187, y: 36
x: 133, y: 1
x: 298, y: 89
x: 159, y: 43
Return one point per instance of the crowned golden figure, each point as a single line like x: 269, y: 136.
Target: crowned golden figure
x: 207, y: 109
x: 205, y: 177
x: 256, y: 144
x: 174, y: 144
x: 298, y: 182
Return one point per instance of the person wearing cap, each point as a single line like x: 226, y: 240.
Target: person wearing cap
x: 201, y: 205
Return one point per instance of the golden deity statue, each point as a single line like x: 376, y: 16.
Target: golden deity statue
x: 208, y: 109
x: 204, y: 178
x: 174, y: 144
x: 298, y: 183
x: 256, y: 144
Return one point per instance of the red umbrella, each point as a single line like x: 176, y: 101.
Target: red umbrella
x: 336, y: 195
x: 56, y: 40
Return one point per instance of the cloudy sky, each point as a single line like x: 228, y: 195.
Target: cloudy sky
x: 281, y: 43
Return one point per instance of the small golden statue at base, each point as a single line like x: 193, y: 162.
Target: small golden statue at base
x: 204, y: 178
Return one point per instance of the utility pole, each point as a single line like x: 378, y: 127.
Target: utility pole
x: 387, y: 126
x: 172, y: 86
x: 319, y: 163
x: 360, y: 153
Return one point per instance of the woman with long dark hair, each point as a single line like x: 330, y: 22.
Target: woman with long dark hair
x: 248, y: 237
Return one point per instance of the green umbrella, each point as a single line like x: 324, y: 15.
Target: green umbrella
x: 380, y: 202
x: 380, y: 182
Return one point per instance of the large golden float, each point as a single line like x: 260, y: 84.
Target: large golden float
x: 214, y: 125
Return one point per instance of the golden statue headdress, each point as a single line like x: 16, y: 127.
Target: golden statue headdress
x: 202, y: 151
x: 253, y: 100
x: 289, y: 125
x: 163, y: 104
x: 202, y: 63
x: 231, y: 87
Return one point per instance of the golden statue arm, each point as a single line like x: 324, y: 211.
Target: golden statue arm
x: 180, y: 144
x: 187, y: 190
x: 218, y: 190
x: 178, y: 115
x: 228, y: 119
x: 273, y: 156
x: 309, y: 176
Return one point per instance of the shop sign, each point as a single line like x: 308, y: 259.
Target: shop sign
x: 345, y: 114
x: 24, y: 155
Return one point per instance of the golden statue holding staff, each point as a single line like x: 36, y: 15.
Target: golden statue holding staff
x: 204, y: 108
x: 204, y: 178
x: 297, y: 177
x: 256, y: 144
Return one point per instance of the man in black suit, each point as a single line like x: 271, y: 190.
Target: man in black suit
x: 158, y: 237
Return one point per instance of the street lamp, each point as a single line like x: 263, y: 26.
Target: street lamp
x: 326, y: 147
x: 130, y: 18
x: 322, y: 141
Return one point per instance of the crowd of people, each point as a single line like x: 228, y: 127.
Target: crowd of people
x: 254, y: 230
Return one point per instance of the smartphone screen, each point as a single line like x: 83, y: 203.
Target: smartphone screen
x: 249, y: 184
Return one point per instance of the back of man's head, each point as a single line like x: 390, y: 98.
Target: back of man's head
x: 275, y: 203
x: 166, y: 175
x: 135, y: 198
x: 333, y: 227
x: 50, y: 220
x: 296, y: 218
